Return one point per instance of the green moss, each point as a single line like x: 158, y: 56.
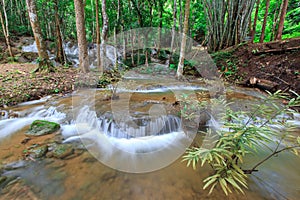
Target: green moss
x: 42, y: 127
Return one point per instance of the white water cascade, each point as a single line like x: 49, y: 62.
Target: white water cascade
x: 72, y: 53
x: 147, y: 145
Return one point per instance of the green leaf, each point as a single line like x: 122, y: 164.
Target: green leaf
x: 211, y: 181
x: 223, y: 185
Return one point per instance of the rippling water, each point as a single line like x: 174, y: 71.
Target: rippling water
x: 84, y: 177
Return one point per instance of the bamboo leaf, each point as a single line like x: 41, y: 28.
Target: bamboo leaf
x: 221, y: 182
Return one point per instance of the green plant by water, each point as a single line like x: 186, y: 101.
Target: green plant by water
x: 242, y: 133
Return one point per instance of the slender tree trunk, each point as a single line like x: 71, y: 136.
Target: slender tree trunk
x: 60, y: 50
x: 255, y: 21
x: 98, y: 38
x: 275, y: 20
x: 281, y: 22
x: 262, y: 36
x: 180, y: 17
x: 139, y: 47
x: 115, y: 34
x: 5, y: 29
x: 161, y: 9
x: 124, y: 42
x: 132, y: 35
x: 104, y: 32
x: 93, y: 20
x: 179, y: 74
x: 81, y: 36
x: 173, y: 31
x: 40, y: 43
x: 227, y: 22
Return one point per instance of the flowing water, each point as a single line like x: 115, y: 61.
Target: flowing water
x: 134, y: 143
x: 72, y: 53
x: 131, y: 136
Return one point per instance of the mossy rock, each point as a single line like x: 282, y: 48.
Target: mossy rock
x: 42, y: 127
x: 63, y: 150
x: 39, y: 151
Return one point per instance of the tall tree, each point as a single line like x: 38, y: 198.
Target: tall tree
x: 104, y: 32
x: 98, y: 39
x: 282, y: 17
x: 117, y: 23
x: 262, y: 35
x: 60, y: 55
x: 179, y: 74
x: 81, y: 36
x: 275, y: 20
x: 5, y: 28
x: 255, y: 21
x: 173, y: 31
x: 40, y: 43
x: 227, y: 22
x: 161, y: 10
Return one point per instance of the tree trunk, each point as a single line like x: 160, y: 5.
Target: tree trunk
x: 227, y: 22
x: 255, y: 21
x: 5, y: 28
x: 275, y: 20
x: 173, y: 31
x: 104, y: 33
x: 180, y: 16
x: 124, y: 41
x: 161, y: 9
x: 179, y: 74
x: 262, y: 36
x: 281, y: 22
x: 81, y: 36
x: 98, y: 39
x: 115, y: 34
x: 132, y: 35
x: 40, y: 43
x: 60, y: 50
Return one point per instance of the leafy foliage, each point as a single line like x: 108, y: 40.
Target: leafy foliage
x: 242, y: 133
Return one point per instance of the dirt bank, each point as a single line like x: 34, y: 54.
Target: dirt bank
x: 276, y: 63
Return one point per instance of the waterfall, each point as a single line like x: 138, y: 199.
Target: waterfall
x: 72, y: 53
x: 142, y: 127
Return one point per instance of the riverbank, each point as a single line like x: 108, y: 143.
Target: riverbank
x: 18, y: 84
x: 267, y: 66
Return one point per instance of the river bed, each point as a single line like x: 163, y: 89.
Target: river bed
x: 124, y: 172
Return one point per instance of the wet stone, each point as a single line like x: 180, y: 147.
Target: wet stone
x: 38, y: 152
x: 2, y: 179
x: 63, y: 150
x: 15, y: 165
x: 42, y: 127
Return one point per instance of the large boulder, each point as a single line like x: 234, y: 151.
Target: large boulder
x: 42, y: 127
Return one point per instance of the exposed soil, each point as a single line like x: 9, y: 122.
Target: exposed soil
x: 276, y: 63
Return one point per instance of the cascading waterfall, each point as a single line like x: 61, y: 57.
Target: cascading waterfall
x: 72, y: 53
x: 142, y: 127
x: 137, y: 145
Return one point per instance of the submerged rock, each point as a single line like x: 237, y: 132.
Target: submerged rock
x: 42, y: 127
x: 2, y: 179
x: 15, y: 165
x: 63, y: 150
x: 39, y: 151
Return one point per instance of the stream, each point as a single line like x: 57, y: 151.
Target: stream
x: 134, y: 144
x: 130, y: 147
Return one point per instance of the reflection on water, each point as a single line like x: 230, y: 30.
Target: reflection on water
x: 83, y: 177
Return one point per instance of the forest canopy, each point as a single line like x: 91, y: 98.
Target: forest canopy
x: 147, y: 11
